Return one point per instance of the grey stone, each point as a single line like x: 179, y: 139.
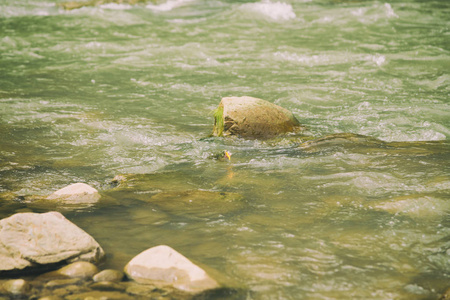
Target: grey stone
x: 31, y: 240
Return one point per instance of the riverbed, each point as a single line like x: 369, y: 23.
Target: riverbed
x: 95, y: 92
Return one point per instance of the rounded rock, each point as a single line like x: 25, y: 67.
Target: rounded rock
x: 107, y: 286
x: 79, y: 269
x: 108, y: 275
x: 16, y: 286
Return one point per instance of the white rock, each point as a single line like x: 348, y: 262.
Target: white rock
x: 164, y: 266
x: 76, y: 193
x: 32, y: 240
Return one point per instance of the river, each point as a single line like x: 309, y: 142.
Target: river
x: 94, y: 92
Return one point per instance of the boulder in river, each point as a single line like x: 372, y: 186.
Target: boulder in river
x: 252, y: 118
x: 76, y: 193
x: 163, y: 266
x: 35, y: 242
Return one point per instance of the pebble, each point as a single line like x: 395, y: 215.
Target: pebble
x: 16, y: 286
x: 79, y: 269
x: 61, y: 282
x: 107, y: 286
x: 109, y: 275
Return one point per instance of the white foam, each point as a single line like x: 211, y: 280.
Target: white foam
x: 389, y: 11
x: 168, y: 6
x: 378, y: 59
x: 116, y: 6
x: 278, y: 11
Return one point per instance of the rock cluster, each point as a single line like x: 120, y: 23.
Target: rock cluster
x: 64, y: 258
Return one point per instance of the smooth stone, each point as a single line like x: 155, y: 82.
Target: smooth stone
x: 138, y: 289
x: 50, y: 298
x: 250, y: 117
x: 109, y: 275
x: 16, y: 287
x: 99, y: 295
x: 61, y: 282
x: 79, y: 269
x: 76, y: 193
x: 107, y: 286
x: 162, y: 265
x: 32, y: 240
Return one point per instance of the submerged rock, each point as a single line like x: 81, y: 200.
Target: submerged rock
x: 79, y: 269
x: 76, y: 193
x: 445, y: 295
x: 100, y: 295
x: 32, y: 241
x: 109, y: 275
x: 198, y: 203
x: 252, y: 118
x: 163, y: 266
x: 16, y: 287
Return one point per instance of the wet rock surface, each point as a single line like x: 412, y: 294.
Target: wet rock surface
x: 32, y: 241
x: 164, y: 266
x: 109, y: 275
x: 253, y: 118
x: 76, y: 193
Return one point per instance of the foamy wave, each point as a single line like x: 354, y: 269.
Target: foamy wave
x: 116, y: 6
x: 168, y: 6
x: 389, y: 11
x: 328, y: 59
x: 274, y: 10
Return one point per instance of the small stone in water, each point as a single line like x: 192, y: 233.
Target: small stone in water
x: 79, y: 269
x: 61, y: 282
x: 107, y: 286
x: 16, y: 286
x: 109, y: 275
x: 50, y: 298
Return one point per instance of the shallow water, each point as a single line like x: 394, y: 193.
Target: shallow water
x: 91, y: 93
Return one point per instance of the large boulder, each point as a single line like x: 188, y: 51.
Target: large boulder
x: 163, y: 266
x: 252, y: 118
x: 32, y: 242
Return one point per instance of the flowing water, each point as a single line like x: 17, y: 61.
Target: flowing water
x: 94, y: 92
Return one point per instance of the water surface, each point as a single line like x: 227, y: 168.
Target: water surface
x: 117, y: 89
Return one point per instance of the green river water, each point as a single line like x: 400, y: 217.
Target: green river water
x: 95, y: 92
